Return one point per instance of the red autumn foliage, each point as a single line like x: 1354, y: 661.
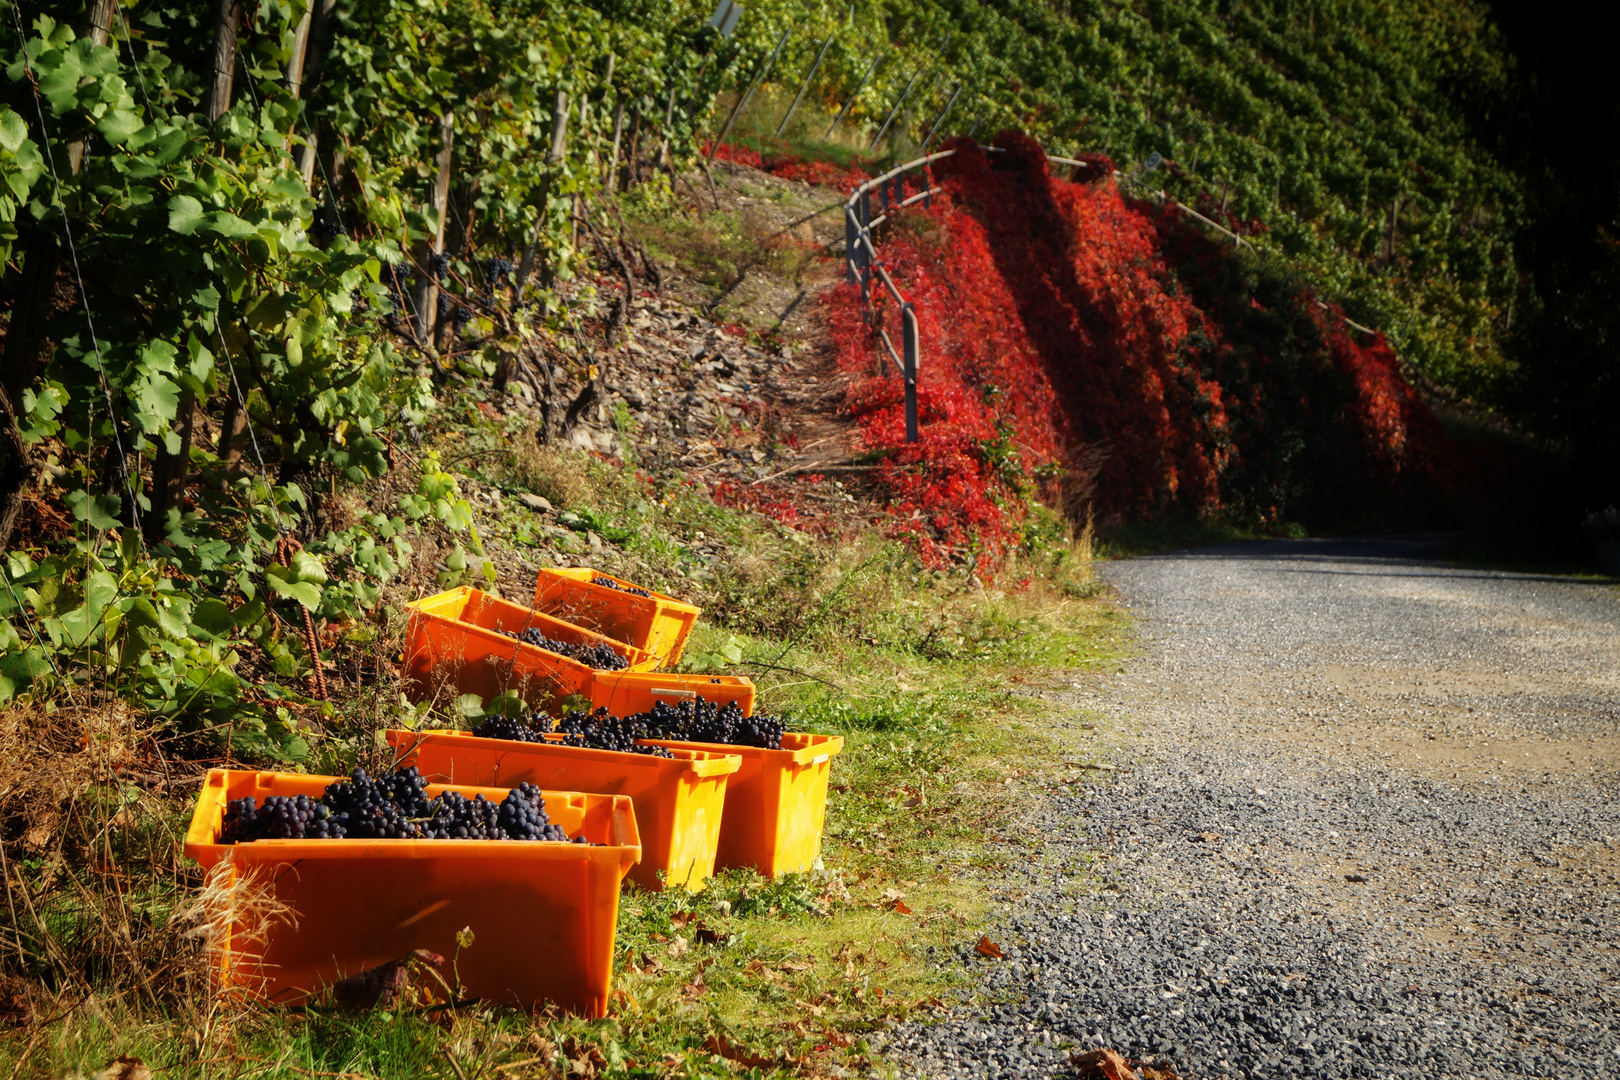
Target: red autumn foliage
x: 1061, y: 324
x: 790, y: 167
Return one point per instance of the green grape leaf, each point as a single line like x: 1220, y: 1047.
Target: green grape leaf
x: 186, y: 215
x: 98, y: 511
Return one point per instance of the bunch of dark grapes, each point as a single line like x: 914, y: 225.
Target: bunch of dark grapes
x: 609, y: 583
x: 461, y: 317
x: 282, y: 817
x: 595, y: 731
x: 444, y: 304
x: 601, y: 656
x: 496, y: 270
x: 439, y: 265
x: 506, y: 727
x: 688, y: 721
x: 705, y: 721
x: 386, y: 808
x: 391, y: 808
x: 324, y: 224
x: 605, y: 732
x: 522, y: 816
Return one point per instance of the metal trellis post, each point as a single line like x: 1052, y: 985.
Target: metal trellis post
x: 908, y: 320
x: 884, y: 130
x: 804, y: 86
x: 852, y: 244
x: 853, y: 94
x: 940, y: 119
x: 736, y: 110
x: 865, y: 205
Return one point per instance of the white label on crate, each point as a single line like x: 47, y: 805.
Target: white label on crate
x: 821, y: 759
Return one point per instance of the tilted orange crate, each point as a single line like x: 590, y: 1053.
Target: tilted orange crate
x: 623, y: 693
x: 454, y: 640
x: 543, y: 914
x: 776, y: 804
x: 678, y: 800
x: 656, y: 623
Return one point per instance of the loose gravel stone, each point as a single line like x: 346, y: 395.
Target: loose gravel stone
x: 1365, y: 823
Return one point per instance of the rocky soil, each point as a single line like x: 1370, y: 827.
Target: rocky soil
x: 721, y: 381
x: 1364, y: 822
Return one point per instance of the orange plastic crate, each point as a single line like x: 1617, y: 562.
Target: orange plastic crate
x: 678, y: 800
x: 657, y: 624
x: 776, y: 804
x: 453, y: 641
x: 624, y: 693
x: 543, y: 914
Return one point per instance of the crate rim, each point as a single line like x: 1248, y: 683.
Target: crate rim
x: 711, y: 764
x: 201, y: 837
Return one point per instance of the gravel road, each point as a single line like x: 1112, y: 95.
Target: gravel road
x: 1365, y: 822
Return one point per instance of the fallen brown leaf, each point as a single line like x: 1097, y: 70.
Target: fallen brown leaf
x: 986, y: 947
x: 16, y: 1001
x: 1102, y: 1064
x: 124, y: 1067
x: 708, y: 936
x: 584, y: 1059
x: 899, y: 908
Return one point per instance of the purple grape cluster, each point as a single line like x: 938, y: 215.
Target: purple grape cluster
x: 699, y: 720
x: 689, y: 721
x: 391, y: 808
x: 609, y: 583
x: 282, y: 817
x: 496, y: 270
x: 595, y: 731
x: 601, y: 656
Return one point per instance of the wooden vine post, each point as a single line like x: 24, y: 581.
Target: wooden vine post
x: 309, y: 66
x: 612, y: 180
x: 222, y: 77
x: 554, y: 156
x: 427, y: 286
x: 632, y: 158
